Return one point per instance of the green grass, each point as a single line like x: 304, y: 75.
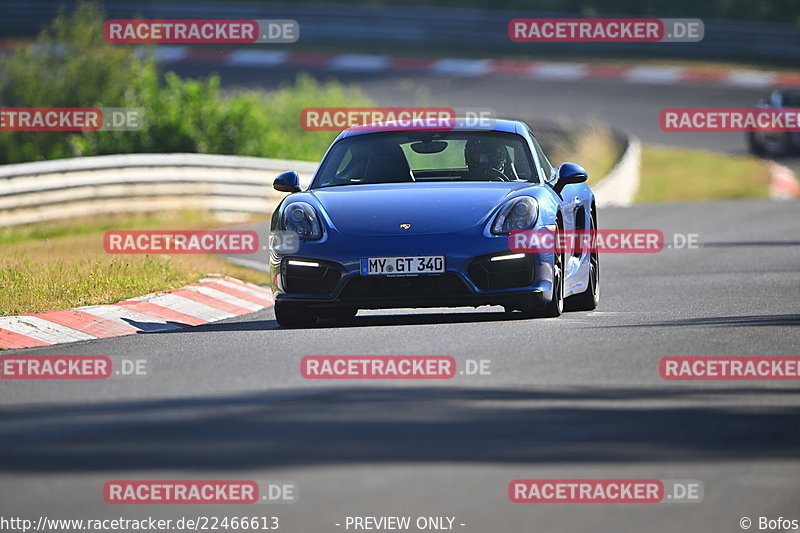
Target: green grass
x: 683, y: 175
x: 594, y: 148
x: 64, y: 265
x: 29, y: 286
x: 71, y: 65
x: 89, y: 225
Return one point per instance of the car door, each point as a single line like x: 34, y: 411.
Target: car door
x: 575, y: 200
x: 569, y: 199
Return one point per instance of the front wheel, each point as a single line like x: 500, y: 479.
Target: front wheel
x: 588, y: 299
x: 755, y: 144
x: 293, y: 315
x: 769, y: 144
x: 555, y: 306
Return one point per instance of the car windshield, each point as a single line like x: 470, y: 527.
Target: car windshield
x: 420, y: 156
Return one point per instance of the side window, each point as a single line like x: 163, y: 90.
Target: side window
x: 348, y: 166
x: 546, y: 167
x: 348, y: 156
x: 351, y: 167
x: 522, y: 165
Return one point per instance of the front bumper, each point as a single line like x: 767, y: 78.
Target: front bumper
x: 470, y: 279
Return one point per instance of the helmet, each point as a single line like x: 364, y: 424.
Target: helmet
x: 483, y: 152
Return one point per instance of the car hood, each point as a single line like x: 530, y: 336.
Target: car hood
x: 380, y: 209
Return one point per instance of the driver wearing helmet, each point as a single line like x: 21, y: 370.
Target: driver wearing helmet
x: 487, y: 159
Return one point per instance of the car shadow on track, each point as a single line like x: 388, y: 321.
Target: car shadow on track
x: 362, y: 321
x: 363, y: 424
x: 720, y: 321
x: 422, y: 318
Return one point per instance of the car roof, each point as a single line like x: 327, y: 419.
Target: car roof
x: 499, y: 125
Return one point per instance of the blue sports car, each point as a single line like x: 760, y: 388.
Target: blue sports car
x: 398, y: 218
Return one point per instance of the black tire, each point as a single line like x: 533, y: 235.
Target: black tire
x: 755, y: 144
x: 773, y: 144
x: 554, y: 307
x: 777, y: 144
x: 293, y: 315
x: 588, y: 299
x: 794, y: 142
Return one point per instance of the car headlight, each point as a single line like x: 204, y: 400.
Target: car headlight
x: 517, y: 214
x: 301, y: 218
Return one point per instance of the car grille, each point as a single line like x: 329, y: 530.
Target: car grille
x: 368, y: 287
x: 320, y: 280
x: 494, y: 275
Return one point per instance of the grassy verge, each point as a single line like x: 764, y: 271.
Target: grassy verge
x: 59, y: 266
x: 682, y: 175
x: 70, y: 64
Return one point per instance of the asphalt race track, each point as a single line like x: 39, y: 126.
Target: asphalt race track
x: 569, y: 398
x: 578, y: 396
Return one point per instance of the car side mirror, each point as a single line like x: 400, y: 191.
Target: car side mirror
x: 287, y: 182
x: 569, y: 173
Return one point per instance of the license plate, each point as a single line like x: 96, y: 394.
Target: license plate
x: 420, y: 264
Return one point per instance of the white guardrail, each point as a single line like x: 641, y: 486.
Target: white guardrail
x: 619, y: 186
x: 84, y: 186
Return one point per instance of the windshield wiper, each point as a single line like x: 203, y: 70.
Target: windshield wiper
x: 363, y: 183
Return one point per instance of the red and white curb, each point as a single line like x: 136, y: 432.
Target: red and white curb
x: 537, y: 70
x: 210, y: 299
x: 783, y: 183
